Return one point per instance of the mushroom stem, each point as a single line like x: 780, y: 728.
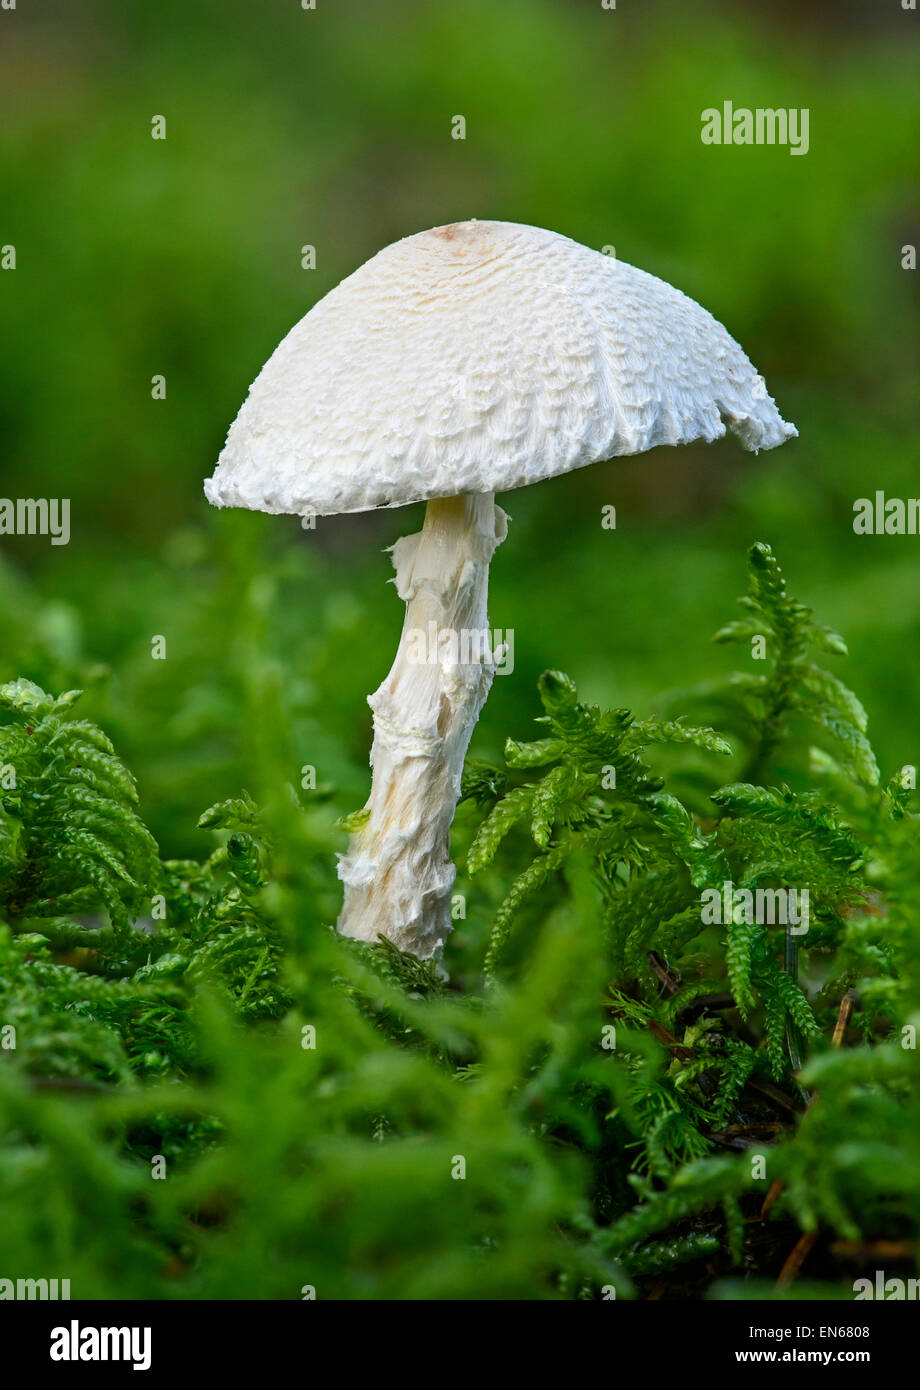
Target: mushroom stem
x: 397, y: 872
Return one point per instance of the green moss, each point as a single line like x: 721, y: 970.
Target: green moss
x: 331, y: 1115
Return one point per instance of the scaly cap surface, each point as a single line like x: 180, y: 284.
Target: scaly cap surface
x: 480, y: 357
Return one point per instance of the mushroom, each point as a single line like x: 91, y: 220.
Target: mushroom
x: 464, y: 361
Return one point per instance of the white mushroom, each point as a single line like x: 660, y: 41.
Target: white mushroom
x: 464, y: 361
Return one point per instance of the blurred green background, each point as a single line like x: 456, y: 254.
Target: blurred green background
x: 332, y: 127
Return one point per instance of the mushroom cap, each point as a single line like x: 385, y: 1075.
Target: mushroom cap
x: 479, y: 357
